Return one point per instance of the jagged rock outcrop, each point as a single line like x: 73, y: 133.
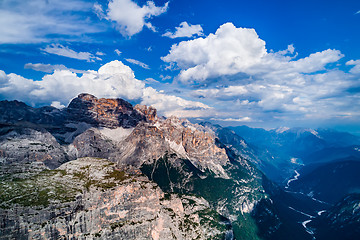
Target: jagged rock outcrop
x: 148, y: 142
x: 148, y: 111
x: 102, y: 112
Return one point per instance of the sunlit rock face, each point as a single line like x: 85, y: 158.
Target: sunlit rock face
x: 148, y: 112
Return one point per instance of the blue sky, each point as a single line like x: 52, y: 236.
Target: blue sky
x: 259, y: 63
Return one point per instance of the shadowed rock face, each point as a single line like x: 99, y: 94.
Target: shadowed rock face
x: 14, y: 112
x: 103, y: 112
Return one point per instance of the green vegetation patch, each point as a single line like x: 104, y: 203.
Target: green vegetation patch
x: 245, y: 228
x: 213, y: 219
x: 116, y: 175
x: 58, y: 186
x: 38, y: 190
x: 120, y: 224
x: 111, y: 178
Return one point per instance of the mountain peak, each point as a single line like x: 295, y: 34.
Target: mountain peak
x: 83, y: 109
x: 149, y: 112
x: 105, y: 112
x: 86, y: 96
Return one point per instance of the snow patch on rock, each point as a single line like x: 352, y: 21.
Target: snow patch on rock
x: 178, y: 148
x: 117, y: 134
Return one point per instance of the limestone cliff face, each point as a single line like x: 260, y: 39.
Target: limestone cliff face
x: 83, y: 112
x: 21, y: 146
x: 100, y: 202
x: 196, y: 143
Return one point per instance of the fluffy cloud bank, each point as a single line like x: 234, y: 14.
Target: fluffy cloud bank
x: 230, y: 50
x: 129, y: 17
x: 235, y: 73
x: 172, y: 105
x: 113, y: 80
x: 234, y: 50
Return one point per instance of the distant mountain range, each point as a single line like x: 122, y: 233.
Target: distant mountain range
x: 290, y: 148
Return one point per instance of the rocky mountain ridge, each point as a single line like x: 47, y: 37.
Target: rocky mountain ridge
x: 283, y: 150
x: 138, y: 143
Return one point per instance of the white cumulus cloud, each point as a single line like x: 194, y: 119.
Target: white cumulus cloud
x: 130, y: 18
x: 114, y: 79
x: 232, y: 71
x: 356, y: 66
x: 185, y: 30
x: 173, y: 105
x: 3, y: 77
x: 234, y: 50
x: 57, y: 104
x: 230, y: 50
